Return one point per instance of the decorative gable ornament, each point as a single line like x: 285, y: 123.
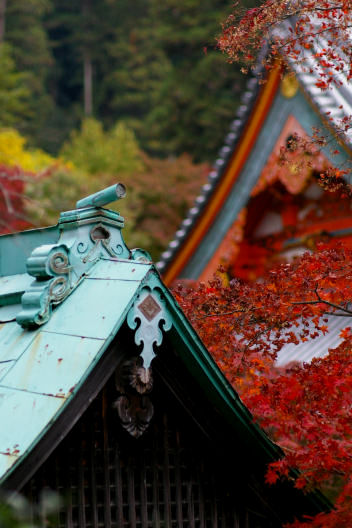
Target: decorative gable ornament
x: 149, y: 318
x: 150, y: 311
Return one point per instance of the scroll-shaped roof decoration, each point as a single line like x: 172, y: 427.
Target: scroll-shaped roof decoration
x: 86, y: 235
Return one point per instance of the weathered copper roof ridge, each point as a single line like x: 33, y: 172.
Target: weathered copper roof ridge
x: 85, y: 235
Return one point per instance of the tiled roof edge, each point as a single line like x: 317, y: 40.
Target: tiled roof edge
x: 335, y: 103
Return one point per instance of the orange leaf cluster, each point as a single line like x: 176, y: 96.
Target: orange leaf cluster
x: 305, y: 407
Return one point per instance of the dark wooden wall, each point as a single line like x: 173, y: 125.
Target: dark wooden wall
x: 171, y: 477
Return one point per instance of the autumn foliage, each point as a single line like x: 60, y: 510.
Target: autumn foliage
x: 310, y: 37
x: 293, y: 28
x: 12, y: 206
x: 305, y: 408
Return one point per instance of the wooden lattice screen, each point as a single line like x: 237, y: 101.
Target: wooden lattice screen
x: 169, y: 478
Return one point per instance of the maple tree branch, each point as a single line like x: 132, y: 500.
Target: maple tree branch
x: 255, y: 337
x: 220, y: 314
x: 328, y: 303
x: 285, y: 448
x: 298, y: 11
x: 337, y: 314
x: 304, y: 36
x: 333, y: 305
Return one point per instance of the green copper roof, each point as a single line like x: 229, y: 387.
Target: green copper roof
x: 41, y: 369
x: 64, y: 293
x: 59, y: 318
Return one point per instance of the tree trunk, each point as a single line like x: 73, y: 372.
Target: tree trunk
x: 2, y: 20
x: 88, y: 84
x: 87, y: 58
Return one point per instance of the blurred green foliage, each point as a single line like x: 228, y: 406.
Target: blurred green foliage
x: 159, y: 191
x: 17, y: 512
x: 15, y: 92
x: 168, y: 80
x: 97, y: 151
x: 31, y: 49
x: 154, y: 66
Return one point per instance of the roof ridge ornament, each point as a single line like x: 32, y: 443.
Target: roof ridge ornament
x: 86, y: 236
x: 99, y: 199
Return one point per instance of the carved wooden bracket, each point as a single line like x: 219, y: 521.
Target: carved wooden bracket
x: 132, y: 374
x: 134, y: 406
x: 135, y: 412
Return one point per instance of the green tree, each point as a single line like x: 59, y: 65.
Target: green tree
x: 169, y: 78
x: 24, y: 31
x: 14, y: 91
x: 154, y: 66
x: 79, y: 32
x: 95, y: 151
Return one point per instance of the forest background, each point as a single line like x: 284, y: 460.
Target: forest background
x: 94, y: 92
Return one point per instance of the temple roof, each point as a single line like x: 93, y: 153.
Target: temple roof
x: 268, y: 114
x: 253, y: 132
x: 41, y: 369
x: 65, y: 294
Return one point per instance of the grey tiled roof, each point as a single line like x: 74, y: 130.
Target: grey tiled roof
x: 317, y: 347
x: 335, y: 102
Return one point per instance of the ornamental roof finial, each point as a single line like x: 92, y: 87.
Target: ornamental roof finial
x: 104, y: 197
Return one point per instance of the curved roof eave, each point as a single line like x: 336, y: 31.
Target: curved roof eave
x: 333, y: 105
